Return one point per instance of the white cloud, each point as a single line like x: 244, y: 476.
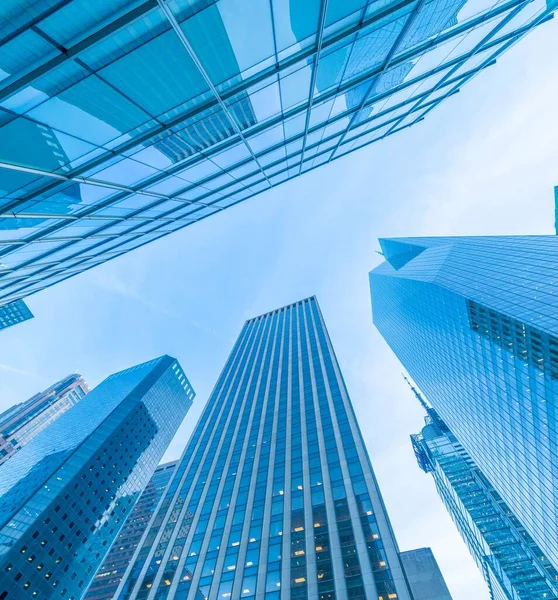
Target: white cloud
x: 16, y: 371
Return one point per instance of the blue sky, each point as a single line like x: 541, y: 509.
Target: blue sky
x: 483, y: 163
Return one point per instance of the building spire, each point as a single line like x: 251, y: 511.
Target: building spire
x: 417, y: 394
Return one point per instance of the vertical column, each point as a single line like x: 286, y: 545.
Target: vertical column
x: 329, y: 557
x: 286, y: 525
x: 270, y: 550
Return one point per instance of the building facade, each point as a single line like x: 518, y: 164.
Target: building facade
x: 149, y: 116
x: 114, y: 566
x: 274, y: 496
x: 424, y: 576
x: 475, y: 323
x: 22, y: 422
x: 13, y: 313
x: 66, y: 494
x: 514, y: 567
x: 556, y: 209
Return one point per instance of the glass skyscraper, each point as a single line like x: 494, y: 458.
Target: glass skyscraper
x: 22, y: 422
x: 274, y: 496
x: 475, y: 323
x: 114, y: 566
x: 556, y: 209
x: 121, y: 122
x: 513, y: 566
x: 13, y: 313
x: 66, y: 494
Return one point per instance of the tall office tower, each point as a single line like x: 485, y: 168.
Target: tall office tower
x: 22, y: 422
x: 13, y: 313
x: 475, y: 323
x: 514, y: 567
x: 114, y: 566
x: 274, y: 496
x: 424, y: 576
x: 556, y: 209
x: 152, y: 115
x: 66, y: 494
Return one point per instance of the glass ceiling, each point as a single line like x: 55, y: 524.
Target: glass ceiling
x: 124, y: 120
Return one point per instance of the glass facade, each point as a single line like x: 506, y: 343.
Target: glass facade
x: 512, y: 564
x: 66, y: 494
x: 114, y: 566
x: 424, y: 576
x: 22, y: 422
x: 274, y: 496
x: 13, y: 313
x: 122, y: 121
x: 475, y: 323
x: 556, y: 209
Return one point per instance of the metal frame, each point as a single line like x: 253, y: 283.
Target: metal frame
x: 184, y: 41
x: 232, y: 91
x: 317, y: 55
x: 246, y: 84
x: 260, y: 178
x: 384, y: 67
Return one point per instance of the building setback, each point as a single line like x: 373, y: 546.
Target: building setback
x: 474, y: 320
x: 147, y: 117
x: 66, y: 494
x: 110, y: 573
x: 22, y: 422
x: 274, y: 496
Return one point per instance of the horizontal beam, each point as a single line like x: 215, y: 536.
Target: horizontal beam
x: 9, y: 89
x: 34, y: 22
x: 76, y: 218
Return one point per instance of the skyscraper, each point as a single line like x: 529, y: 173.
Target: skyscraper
x: 13, y: 313
x: 475, y: 323
x: 424, y: 576
x: 513, y: 566
x: 151, y: 116
x: 114, y: 566
x: 66, y: 494
x: 274, y: 496
x: 22, y: 422
x: 556, y: 209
